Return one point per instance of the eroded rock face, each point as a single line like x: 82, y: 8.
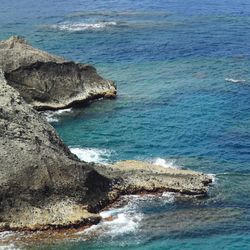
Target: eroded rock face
x: 47, y: 81
x: 42, y: 183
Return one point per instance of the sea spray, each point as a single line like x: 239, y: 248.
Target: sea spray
x: 54, y: 116
x: 170, y: 163
x: 9, y: 247
x: 234, y: 80
x: 127, y: 219
x: 214, y: 178
x: 117, y: 221
x: 169, y: 197
x: 6, y: 236
x: 92, y: 154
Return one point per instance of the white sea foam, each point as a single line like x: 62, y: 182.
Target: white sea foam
x: 54, y: 116
x: 6, y: 235
x: 122, y: 220
x: 51, y: 118
x: 83, y: 26
x: 9, y: 247
x: 170, y: 163
x: 213, y: 176
x: 123, y: 223
x: 234, y: 80
x: 126, y: 219
x: 92, y: 154
x: 61, y: 111
x: 111, y: 212
x: 169, y: 197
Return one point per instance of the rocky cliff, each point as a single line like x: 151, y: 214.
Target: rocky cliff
x: 42, y: 184
x: 47, y: 81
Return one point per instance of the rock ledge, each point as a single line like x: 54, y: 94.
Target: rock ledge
x: 50, y: 82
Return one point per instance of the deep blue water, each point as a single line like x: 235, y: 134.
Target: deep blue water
x: 175, y: 64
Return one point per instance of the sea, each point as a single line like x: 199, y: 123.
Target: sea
x: 182, y: 70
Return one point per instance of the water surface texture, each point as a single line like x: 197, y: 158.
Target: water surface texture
x: 182, y: 69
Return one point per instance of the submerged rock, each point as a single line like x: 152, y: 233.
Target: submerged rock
x: 47, y: 81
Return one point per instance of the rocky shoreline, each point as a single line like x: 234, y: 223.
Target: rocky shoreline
x: 50, y: 82
x: 42, y: 184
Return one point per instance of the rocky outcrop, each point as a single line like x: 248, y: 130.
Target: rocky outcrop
x: 137, y: 176
x: 47, y: 81
x: 43, y: 185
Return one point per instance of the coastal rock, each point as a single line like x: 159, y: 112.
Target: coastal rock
x: 42, y: 184
x: 50, y: 82
x: 138, y: 176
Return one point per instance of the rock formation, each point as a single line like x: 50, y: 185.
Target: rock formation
x: 42, y: 184
x: 47, y: 81
x: 137, y: 176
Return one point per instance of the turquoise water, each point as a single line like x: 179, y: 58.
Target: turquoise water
x: 182, y: 69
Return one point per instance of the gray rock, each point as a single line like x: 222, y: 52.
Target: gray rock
x: 42, y: 184
x: 138, y: 176
x: 50, y: 82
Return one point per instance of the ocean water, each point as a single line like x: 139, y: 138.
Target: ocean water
x: 182, y: 69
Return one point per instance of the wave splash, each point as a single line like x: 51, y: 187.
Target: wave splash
x: 92, y: 154
x: 117, y: 221
x: 7, y: 236
x: 53, y: 116
x: 169, y: 197
x: 214, y: 178
x: 127, y: 219
x: 83, y: 26
x: 234, y: 80
x: 9, y: 247
x: 166, y: 163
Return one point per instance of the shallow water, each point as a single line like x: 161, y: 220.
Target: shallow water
x: 182, y: 71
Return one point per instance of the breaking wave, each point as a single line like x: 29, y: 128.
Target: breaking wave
x: 118, y: 221
x: 92, y: 154
x: 9, y: 247
x: 169, y: 197
x: 7, y: 236
x: 126, y: 219
x: 82, y: 26
x: 214, y: 178
x: 234, y: 80
x: 166, y: 163
x: 53, y: 116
